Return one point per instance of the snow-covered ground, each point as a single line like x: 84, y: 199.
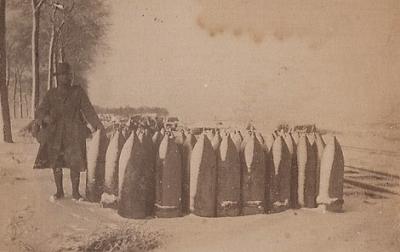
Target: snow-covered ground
x: 370, y: 222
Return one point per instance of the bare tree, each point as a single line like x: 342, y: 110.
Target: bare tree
x: 8, y: 71
x: 15, y: 94
x: 57, y: 19
x: 26, y: 104
x: 51, y: 58
x: 36, y: 6
x: 82, y: 36
x: 77, y: 42
x: 5, y: 109
x: 21, y: 114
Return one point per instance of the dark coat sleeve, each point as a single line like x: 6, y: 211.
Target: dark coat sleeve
x: 88, y: 111
x: 43, y: 109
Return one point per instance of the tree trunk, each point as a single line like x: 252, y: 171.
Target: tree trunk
x: 55, y: 60
x: 15, y: 95
x: 5, y: 109
x: 35, y: 55
x: 50, y: 83
x: 62, y: 53
x: 8, y: 72
x: 20, y: 96
x: 26, y: 104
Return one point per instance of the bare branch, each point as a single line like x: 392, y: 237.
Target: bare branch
x: 53, y: 16
x: 58, y: 6
x: 39, y: 5
x: 58, y: 31
x: 61, y: 26
x: 70, y: 9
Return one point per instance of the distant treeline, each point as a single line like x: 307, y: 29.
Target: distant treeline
x: 129, y: 111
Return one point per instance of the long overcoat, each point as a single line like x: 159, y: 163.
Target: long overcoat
x: 61, y: 120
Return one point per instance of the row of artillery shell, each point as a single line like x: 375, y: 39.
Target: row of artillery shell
x: 149, y: 174
x: 297, y: 173
x: 170, y: 176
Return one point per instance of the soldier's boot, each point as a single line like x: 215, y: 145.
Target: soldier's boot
x: 58, y: 179
x: 75, y: 179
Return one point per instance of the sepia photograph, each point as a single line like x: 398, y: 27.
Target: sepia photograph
x: 200, y: 125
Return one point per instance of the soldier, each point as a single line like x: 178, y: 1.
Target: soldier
x: 60, y: 128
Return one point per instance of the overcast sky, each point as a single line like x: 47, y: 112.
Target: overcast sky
x: 273, y: 60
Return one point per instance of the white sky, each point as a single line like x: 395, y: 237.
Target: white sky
x: 328, y: 62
